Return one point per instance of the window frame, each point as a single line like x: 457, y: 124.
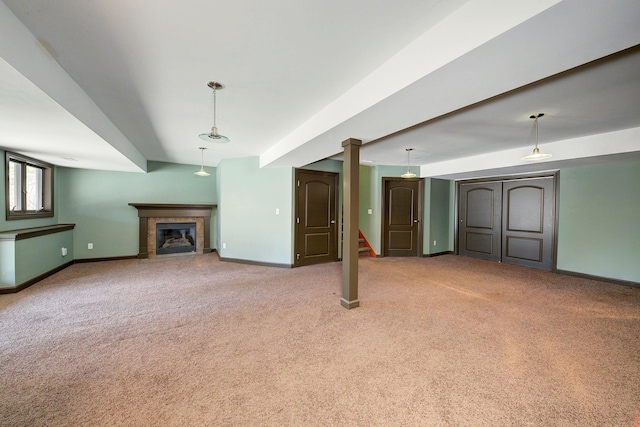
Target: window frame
x: 46, y: 183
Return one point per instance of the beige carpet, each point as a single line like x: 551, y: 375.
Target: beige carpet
x: 191, y: 341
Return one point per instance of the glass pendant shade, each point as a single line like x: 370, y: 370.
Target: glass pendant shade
x: 536, y: 154
x: 202, y: 172
x: 214, y: 136
x: 408, y: 173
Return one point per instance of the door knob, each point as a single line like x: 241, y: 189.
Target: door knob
x: 333, y: 221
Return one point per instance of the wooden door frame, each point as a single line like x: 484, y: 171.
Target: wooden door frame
x: 296, y: 214
x: 555, y: 174
x: 383, y: 215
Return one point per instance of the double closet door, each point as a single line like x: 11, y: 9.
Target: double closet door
x: 511, y: 221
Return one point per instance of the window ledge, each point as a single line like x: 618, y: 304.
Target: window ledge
x: 40, y: 214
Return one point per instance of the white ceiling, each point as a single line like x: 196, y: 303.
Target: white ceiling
x: 110, y: 84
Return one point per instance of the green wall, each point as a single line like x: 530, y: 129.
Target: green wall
x: 327, y: 165
x: 249, y: 226
x: 599, y: 213
x: 7, y: 264
x: 39, y: 255
x: 599, y: 207
x: 97, y: 202
x: 440, y: 208
x: 23, y: 260
x: 366, y: 219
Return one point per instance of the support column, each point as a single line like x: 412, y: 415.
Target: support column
x: 351, y: 184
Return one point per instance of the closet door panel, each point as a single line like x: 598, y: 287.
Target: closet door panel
x: 480, y: 210
x: 528, y: 222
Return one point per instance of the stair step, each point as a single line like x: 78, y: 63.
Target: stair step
x: 364, y: 251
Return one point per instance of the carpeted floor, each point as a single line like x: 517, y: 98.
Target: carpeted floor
x: 192, y: 341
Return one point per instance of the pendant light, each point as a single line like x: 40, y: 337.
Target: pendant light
x: 202, y: 172
x: 536, y: 154
x: 408, y: 173
x: 214, y: 136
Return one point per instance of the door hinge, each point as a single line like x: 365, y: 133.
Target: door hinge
x: 298, y: 220
x: 297, y: 256
x: 298, y: 183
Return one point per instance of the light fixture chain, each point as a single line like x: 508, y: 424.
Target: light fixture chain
x: 214, y: 106
x: 536, y: 154
x: 214, y: 136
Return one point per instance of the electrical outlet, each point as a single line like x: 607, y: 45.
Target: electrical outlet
x: 90, y: 246
x: 277, y: 211
x: 64, y: 251
x: 434, y: 243
x: 224, y: 246
x: 369, y: 211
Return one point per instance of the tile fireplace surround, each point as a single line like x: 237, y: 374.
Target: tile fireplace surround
x: 152, y: 213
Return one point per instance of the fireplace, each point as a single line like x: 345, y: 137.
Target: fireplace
x: 177, y: 224
x: 175, y: 237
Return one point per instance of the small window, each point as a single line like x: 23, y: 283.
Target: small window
x: 29, y: 188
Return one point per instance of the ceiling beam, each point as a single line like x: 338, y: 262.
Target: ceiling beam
x: 475, y: 23
x: 618, y: 145
x: 527, y: 48
x: 36, y: 62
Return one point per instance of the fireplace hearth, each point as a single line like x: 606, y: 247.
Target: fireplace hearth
x: 180, y: 225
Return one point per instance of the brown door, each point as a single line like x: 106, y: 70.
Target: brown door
x: 316, y: 217
x: 480, y: 216
x: 511, y: 221
x: 528, y: 222
x: 401, y: 224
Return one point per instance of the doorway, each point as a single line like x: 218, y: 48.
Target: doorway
x: 316, y: 228
x: 509, y: 220
x: 401, y: 216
